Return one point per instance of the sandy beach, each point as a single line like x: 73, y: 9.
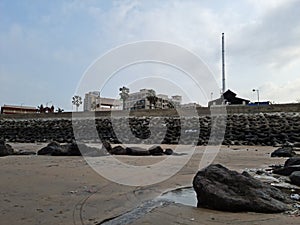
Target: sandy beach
x: 66, y: 190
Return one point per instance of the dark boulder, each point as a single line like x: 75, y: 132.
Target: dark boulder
x: 72, y: 149
x: 292, y: 161
x: 5, y: 149
x: 118, y: 150
x: 137, y: 151
x: 107, y: 146
x: 156, y: 150
x: 50, y: 148
x: 168, y: 151
x: 283, y: 152
x: 286, y: 171
x: 222, y: 189
x: 295, y: 178
x: 79, y: 149
x: 67, y: 150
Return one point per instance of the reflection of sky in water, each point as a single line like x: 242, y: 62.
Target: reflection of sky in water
x: 185, y: 196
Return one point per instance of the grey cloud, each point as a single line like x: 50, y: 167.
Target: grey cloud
x: 270, y: 38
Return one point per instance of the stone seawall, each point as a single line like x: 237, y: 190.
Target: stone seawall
x: 241, y: 129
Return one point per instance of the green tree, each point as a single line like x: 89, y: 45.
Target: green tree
x: 171, y: 105
x: 60, y: 110
x: 41, y: 109
x: 152, y: 98
x: 93, y: 106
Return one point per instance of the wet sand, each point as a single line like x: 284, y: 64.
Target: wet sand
x: 66, y: 190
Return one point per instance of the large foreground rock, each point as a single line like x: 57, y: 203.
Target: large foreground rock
x: 222, y: 189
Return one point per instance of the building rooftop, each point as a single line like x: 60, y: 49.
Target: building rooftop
x: 19, y: 107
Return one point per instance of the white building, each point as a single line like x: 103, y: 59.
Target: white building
x: 90, y: 100
x: 139, y: 100
x: 93, y: 102
x: 191, y: 105
x: 163, y: 101
x: 176, y: 100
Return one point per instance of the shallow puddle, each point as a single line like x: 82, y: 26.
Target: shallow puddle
x: 185, y: 196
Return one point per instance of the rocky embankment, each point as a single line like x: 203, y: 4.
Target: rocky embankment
x: 241, y: 129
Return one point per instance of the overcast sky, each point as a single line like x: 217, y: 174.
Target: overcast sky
x: 46, y: 46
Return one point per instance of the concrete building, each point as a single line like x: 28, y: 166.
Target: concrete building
x: 93, y: 102
x: 163, y: 101
x: 139, y: 100
x: 229, y: 98
x: 191, y: 105
x: 14, y: 109
x: 176, y: 100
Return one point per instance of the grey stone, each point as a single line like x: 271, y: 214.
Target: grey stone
x: 107, y: 145
x: 286, y: 171
x: 137, y: 151
x: 222, y: 189
x: 5, y: 149
x: 168, y: 151
x: 283, y: 152
x: 71, y: 149
x: 156, y: 150
x: 295, y: 178
x: 292, y: 161
x: 50, y: 149
x: 118, y: 150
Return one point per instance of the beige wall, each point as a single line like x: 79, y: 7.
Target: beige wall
x: 159, y: 112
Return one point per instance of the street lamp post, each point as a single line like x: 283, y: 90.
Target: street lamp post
x: 124, y: 93
x: 257, y: 91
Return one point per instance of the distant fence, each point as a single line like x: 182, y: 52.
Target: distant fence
x: 264, y: 108
x: 230, y: 109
